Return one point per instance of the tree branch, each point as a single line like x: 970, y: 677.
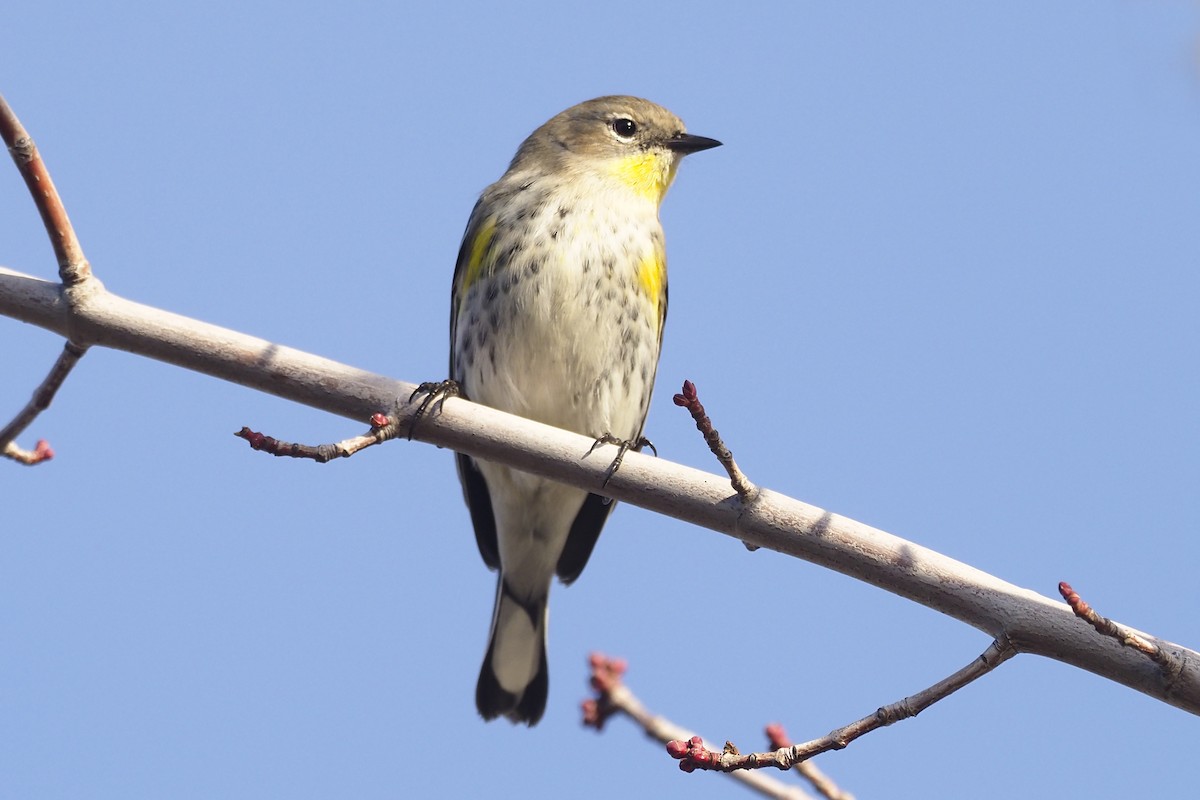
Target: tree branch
x: 824, y: 785
x: 1032, y: 623
x: 73, y: 270
x: 43, y: 395
x: 614, y: 697
x: 694, y: 754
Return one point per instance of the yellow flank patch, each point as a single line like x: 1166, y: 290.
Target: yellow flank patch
x: 652, y: 276
x: 479, y: 252
x: 649, y: 174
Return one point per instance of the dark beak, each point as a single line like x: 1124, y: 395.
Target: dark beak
x: 684, y: 143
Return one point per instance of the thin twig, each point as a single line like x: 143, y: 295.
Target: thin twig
x: 693, y: 754
x: 613, y: 697
x: 73, y: 268
x: 690, y: 400
x: 823, y: 784
x: 41, y: 452
x: 382, y: 429
x: 1164, y: 658
x: 42, y: 397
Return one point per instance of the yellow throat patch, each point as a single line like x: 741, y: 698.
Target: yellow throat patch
x: 649, y: 174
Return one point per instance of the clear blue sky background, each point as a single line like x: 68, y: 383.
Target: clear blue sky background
x: 942, y: 278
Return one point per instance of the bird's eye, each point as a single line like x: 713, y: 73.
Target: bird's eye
x: 624, y: 127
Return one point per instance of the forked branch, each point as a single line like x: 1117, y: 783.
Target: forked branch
x: 613, y: 698
x: 73, y: 270
x: 1033, y: 623
x: 694, y: 754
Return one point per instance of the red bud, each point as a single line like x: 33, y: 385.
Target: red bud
x: 677, y: 749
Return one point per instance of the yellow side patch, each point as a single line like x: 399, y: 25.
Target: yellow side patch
x: 479, y: 252
x: 652, y: 277
x: 649, y: 174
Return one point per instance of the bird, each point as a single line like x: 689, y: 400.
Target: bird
x: 558, y: 304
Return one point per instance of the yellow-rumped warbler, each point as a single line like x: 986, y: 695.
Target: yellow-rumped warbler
x: 557, y: 310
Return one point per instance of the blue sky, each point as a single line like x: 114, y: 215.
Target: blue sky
x: 942, y: 278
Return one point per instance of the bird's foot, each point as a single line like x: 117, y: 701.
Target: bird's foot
x: 436, y: 393
x: 623, y: 446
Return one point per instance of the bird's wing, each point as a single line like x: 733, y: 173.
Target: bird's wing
x: 471, y: 258
x: 585, y: 530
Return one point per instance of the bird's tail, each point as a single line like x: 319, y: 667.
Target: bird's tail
x: 514, y: 679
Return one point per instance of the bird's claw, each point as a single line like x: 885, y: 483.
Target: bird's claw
x: 435, y: 392
x: 623, y: 446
